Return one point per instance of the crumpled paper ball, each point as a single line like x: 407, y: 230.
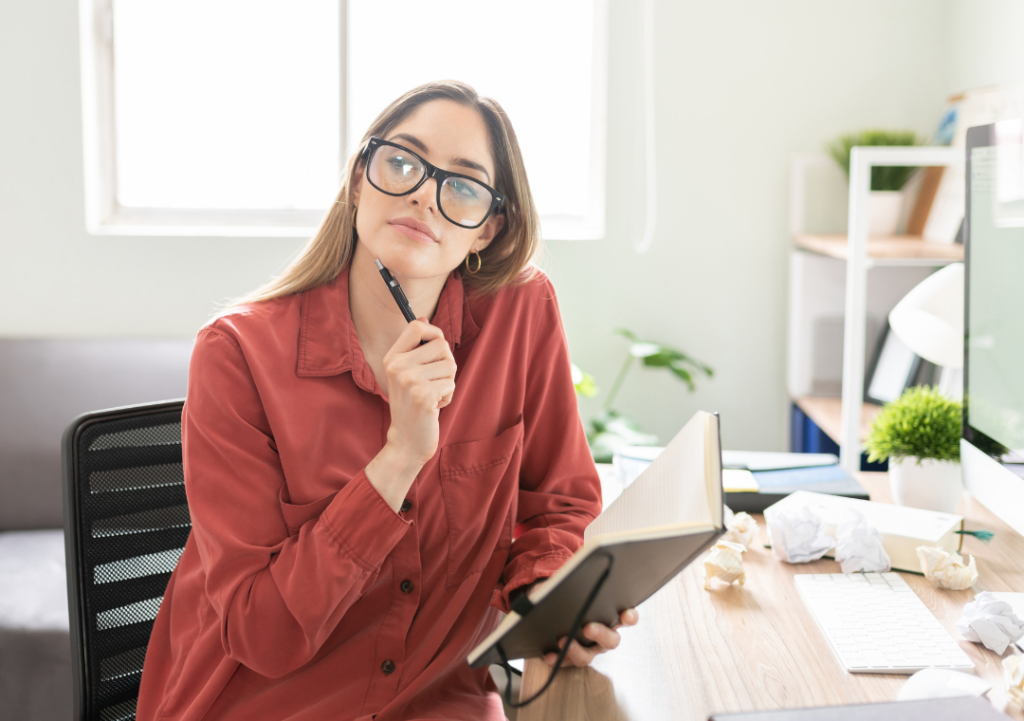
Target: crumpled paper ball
x: 797, y: 534
x: 989, y: 621
x: 859, y: 545
x: 741, y: 528
x: 725, y: 562
x: 1013, y: 675
x: 947, y: 570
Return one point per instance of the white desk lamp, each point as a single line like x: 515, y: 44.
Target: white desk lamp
x: 930, y: 321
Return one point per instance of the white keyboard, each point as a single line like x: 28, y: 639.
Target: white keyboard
x: 875, y: 623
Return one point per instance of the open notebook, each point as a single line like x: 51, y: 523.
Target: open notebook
x: 667, y: 517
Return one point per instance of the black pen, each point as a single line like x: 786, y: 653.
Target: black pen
x: 396, y: 291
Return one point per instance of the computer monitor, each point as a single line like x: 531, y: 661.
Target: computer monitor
x: 992, y: 443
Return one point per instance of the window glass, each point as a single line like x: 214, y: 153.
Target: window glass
x: 534, y: 57
x: 226, y: 103
x: 235, y: 105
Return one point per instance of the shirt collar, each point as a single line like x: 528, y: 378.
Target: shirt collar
x: 329, y: 345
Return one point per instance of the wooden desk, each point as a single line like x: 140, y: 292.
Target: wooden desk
x: 697, y: 652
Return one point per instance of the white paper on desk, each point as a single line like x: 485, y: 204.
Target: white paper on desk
x: 771, y: 461
x: 1016, y: 601
x: 797, y: 533
x: 725, y: 562
x: 859, y: 546
x: 630, y: 461
x: 947, y: 570
x: 1013, y: 676
x: 990, y: 621
x: 903, y: 528
x: 740, y: 528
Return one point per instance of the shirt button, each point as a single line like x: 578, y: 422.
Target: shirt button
x: 406, y: 586
x: 406, y: 505
x: 388, y: 667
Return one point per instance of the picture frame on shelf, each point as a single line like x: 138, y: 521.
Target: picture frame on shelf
x: 894, y: 369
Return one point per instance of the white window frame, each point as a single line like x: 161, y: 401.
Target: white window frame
x: 590, y: 225
x: 105, y: 216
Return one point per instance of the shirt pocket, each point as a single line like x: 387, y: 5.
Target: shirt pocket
x: 298, y: 515
x: 479, y: 480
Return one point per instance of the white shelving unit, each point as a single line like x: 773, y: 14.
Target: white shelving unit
x: 860, y: 254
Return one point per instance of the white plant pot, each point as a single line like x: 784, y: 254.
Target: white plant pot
x: 933, y: 485
x: 884, y: 209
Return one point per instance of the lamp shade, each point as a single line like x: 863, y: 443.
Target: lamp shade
x: 930, y: 318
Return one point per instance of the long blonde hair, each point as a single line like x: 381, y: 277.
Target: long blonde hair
x: 502, y: 262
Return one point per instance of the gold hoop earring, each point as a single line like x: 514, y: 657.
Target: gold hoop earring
x: 355, y: 214
x: 479, y: 262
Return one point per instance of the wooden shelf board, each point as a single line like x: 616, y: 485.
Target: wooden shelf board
x: 827, y: 414
x: 882, y: 248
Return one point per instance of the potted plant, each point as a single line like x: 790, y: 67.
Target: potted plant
x: 919, y: 433
x: 885, y: 204
x: 610, y: 429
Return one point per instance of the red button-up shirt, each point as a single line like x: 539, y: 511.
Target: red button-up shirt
x: 300, y: 593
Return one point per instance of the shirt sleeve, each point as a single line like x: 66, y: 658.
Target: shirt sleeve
x: 559, y: 488
x: 277, y: 597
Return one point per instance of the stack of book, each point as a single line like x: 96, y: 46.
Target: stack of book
x: 754, y: 480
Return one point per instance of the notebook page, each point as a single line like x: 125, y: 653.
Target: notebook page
x: 713, y: 469
x: 672, y: 490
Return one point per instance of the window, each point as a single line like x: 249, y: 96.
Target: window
x: 235, y: 117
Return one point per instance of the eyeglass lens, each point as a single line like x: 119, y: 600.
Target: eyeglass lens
x: 395, y: 171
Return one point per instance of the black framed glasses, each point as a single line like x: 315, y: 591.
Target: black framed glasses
x: 395, y: 170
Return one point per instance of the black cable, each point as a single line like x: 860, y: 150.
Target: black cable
x: 576, y: 626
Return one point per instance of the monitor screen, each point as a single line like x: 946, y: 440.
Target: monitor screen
x: 994, y: 318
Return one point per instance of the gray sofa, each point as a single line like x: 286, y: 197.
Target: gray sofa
x: 44, y: 385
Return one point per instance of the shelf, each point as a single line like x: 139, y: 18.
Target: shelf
x: 827, y: 414
x: 885, y: 250
x: 848, y: 423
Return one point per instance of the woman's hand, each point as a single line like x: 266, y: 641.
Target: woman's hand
x: 421, y: 381
x: 605, y: 640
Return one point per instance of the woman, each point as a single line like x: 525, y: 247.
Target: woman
x: 356, y: 481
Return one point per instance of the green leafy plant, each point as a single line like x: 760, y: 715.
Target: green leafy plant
x: 611, y: 429
x: 922, y: 423
x: 584, y: 383
x: 882, y: 177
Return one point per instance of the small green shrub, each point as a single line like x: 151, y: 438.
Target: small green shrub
x: 882, y: 177
x: 921, y: 423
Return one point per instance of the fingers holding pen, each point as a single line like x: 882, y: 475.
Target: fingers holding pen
x: 415, y: 370
x: 407, y: 351
x: 435, y: 356
x: 416, y: 332
x: 423, y: 374
x: 441, y: 376
x: 446, y: 399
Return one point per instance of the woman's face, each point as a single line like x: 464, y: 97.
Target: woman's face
x: 408, y: 232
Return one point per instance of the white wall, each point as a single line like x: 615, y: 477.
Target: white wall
x: 986, y: 44
x: 55, y: 280
x: 741, y: 85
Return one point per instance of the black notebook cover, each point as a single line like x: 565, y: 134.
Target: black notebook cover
x: 639, y: 568
x: 667, y: 517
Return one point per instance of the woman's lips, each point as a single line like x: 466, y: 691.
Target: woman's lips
x: 413, y: 232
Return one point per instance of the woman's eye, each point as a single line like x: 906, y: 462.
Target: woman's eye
x: 400, y: 164
x: 463, y: 188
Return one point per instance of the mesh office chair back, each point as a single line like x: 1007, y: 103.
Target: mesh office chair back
x: 126, y: 522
